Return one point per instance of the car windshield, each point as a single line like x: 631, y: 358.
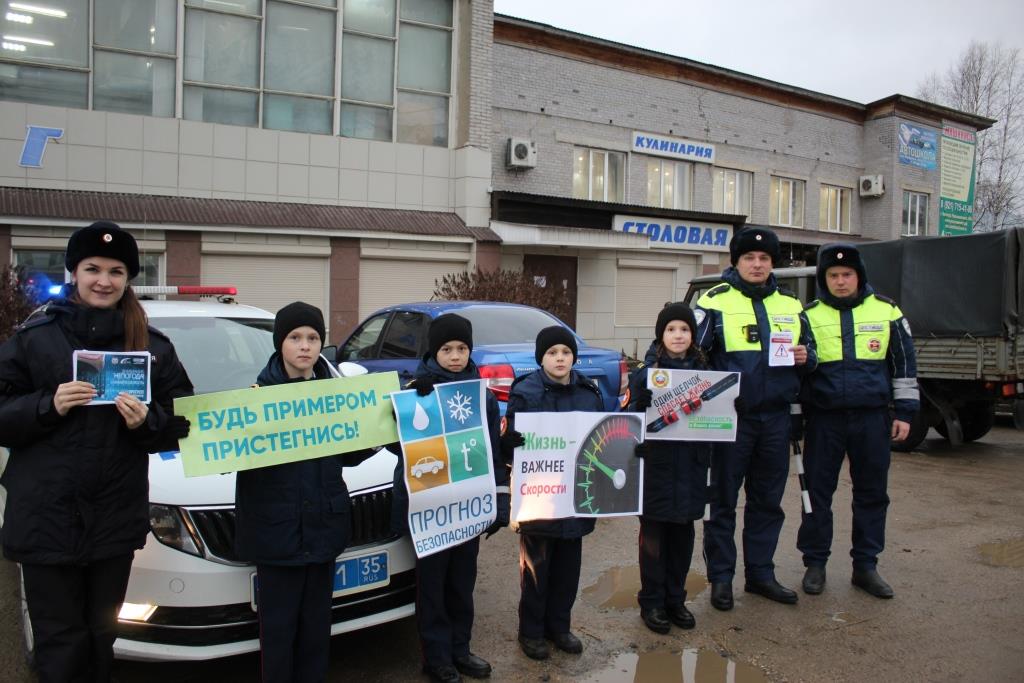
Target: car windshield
x: 505, y: 324
x: 220, y: 353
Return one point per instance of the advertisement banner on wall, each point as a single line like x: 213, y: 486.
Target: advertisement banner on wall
x: 577, y: 464
x: 918, y: 146
x: 956, y: 182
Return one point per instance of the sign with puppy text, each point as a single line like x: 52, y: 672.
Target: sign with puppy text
x: 446, y: 449
x: 577, y: 464
x: 691, y: 405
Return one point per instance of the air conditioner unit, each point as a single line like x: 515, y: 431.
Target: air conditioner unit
x: 521, y: 153
x: 871, y: 186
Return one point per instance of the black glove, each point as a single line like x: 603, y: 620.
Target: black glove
x: 642, y: 399
x: 423, y: 386
x: 796, y: 427
x: 511, y: 440
x: 642, y: 450
x: 177, y: 427
x: 740, y: 405
x: 504, y: 514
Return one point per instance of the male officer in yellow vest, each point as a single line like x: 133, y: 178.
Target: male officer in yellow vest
x: 748, y: 324
x: 865, y: 361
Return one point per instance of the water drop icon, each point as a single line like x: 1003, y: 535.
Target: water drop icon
x: 420, y: 419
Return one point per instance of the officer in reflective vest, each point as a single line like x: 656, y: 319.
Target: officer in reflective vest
x: 748, y: 324
x: 865, y: 362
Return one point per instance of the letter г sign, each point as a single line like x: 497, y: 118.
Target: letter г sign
x: 35, y: 145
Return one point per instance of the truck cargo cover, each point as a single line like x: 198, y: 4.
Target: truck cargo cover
x: 952, y: 286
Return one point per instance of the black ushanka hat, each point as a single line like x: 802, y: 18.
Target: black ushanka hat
x: 106, y: 239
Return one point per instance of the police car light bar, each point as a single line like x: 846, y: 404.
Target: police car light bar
x: 192, y: 290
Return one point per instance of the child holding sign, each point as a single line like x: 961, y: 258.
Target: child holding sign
x: 675, y: 482
x: 445, y: 580
x: 550, y: 551
x: 293, y: 520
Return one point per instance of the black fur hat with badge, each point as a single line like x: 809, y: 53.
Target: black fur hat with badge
x: 754, y: 239
x: 105, y: 239
x: 840, y: 254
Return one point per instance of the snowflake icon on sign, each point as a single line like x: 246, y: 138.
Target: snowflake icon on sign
x: 460, y: 407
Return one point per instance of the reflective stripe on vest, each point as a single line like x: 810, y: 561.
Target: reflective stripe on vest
x: 737, y: 311
x: 871, y: 325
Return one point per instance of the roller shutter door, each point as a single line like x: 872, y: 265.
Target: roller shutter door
x: 640, y: 293
x: 270, y: 282
x: 384, y: 283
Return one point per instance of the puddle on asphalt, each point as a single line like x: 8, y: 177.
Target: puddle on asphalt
x: 1006, y: 554
x: 617, y: 587
x: 688, y: 666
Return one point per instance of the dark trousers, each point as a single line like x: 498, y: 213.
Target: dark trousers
x: 759, y: 462
x: 444, y: 602
x: 863, y: 435
x: 549, y: 576
x: 73, y: 610
x: 665, y: 552
x: 294, y: 608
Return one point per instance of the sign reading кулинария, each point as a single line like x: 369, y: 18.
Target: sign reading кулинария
x: 675, y: 148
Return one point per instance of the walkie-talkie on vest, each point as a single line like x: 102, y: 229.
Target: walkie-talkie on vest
x: 692, y: 405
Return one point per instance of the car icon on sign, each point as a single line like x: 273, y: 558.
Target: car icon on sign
x: 428, y: 464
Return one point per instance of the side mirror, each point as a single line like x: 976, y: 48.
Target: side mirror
x: 351, y: 369
x: 330, y: 353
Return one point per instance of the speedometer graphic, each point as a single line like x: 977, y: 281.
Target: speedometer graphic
x: 607, y: 472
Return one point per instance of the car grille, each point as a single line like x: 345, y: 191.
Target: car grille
x: 371, y: 523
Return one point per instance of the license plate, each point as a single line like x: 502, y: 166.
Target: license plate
x: 351, y: 575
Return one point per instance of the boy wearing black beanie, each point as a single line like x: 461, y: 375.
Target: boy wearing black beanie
x: 445, y: 580
x: 550, y: 550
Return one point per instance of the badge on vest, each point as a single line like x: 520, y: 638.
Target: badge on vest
x: 874, y: 345
x: 871, y: 327
x: 783, y: 319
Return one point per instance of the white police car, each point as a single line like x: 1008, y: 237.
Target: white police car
x: 189, y: 596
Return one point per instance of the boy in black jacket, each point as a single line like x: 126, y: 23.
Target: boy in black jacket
x: 446, y: 579
x: 550, y: 551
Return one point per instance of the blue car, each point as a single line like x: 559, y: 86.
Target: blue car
x: 395, y: 338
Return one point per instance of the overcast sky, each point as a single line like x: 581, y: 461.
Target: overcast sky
x: 862, y: 50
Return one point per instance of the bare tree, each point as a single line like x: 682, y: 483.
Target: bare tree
x: 988, y: 79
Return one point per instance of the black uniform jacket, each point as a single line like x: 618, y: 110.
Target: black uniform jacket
x: 675, y: 472
x: 536, y: 393
x: 298, y: 512
x: 429, y: 369
x: 78, y: 485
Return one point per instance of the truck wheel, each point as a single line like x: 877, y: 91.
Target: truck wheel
x: 976, y: 419
x: 918, y: 430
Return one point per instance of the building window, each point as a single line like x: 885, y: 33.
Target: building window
x: 44, y: 54
x: 669, y: 183
x: 133, y: 56
x: 46, y: 266
x: 787, y: 203
x: 732, y: 191
x: 834, y: 209
x: 915, y: 214
x: 598, y: 175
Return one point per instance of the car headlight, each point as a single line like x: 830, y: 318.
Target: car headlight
x: 171, y: 528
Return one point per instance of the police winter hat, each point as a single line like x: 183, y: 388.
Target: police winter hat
x: 106, y: 239
x: 294, y: 316
x: 676, y: 311
x: 549, y: 336
x: 754, y: 239
x: 446, y: 328
x: 840, y: 254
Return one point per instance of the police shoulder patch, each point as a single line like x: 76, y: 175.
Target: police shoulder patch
x: 699, y: 314
x: 718, y: 289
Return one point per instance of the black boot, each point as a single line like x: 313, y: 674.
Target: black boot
x: 680, y: 616
x: 534, y: 648
x: 444, y: 673
x: 773, y: 590
x: 656, y: 619
x: 870, y: 581
x: 721, y: 596
x: 814, y: 580
x: 473, y: 666
x: 566, y: 642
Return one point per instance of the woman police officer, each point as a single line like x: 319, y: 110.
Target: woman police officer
x: 77, y: 479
